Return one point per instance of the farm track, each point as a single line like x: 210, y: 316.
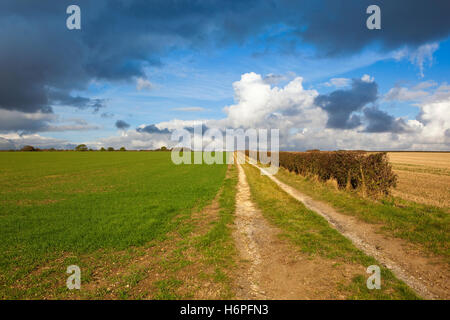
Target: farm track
x: 273, y: 269
x: 425, y: 274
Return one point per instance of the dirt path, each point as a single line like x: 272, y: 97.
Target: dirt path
x: 271, y: 268
x: 428, y: 276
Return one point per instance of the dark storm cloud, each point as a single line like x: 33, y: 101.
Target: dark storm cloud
x: 341, y: 104
x: 380, y: 121
x: 339, y: 26
x: 43, y: 64
x: 25, y: 123
x: 12, y: 121
x: 122, y: 125
x: 40, y: 63
x: 64, y: 99
x: 153, y: 129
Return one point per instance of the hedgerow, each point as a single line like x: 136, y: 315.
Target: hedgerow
x: 370, y: 173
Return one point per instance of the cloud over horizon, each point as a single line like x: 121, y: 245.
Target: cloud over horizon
x: 121, y: 125
x: 341, y: 104
x: 259, y: 105
x: 303, y: 120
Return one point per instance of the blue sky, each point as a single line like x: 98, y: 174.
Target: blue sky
x: 189, y: 75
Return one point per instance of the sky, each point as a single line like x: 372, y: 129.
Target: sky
x: 137, y: 70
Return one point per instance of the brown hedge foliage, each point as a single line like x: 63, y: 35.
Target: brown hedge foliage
x: 370, y: 173
x: 28, y: 148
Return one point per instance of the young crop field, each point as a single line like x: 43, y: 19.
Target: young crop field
x: 57, y: 207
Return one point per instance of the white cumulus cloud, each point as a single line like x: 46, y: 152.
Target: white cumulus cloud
x: 142, y: 84
x: 303, y: 125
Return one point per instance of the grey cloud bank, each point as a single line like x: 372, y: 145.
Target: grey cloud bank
x: 341, y: 104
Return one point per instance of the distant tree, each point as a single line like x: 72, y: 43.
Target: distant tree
x: 52, y: 149
x: 123, y: 149
x: 102, y: 149
x: 163, y: 148
x: 28, y: 148
x: 81, y: 147
x: 110, y: 149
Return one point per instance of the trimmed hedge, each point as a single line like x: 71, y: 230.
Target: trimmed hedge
x: 370, y: 173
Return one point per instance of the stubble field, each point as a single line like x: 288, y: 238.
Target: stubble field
x: 423, y: 177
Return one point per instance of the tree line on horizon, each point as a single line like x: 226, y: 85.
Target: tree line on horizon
x: 79, y: 148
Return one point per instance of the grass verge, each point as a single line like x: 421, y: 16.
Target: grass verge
x: 217, y: 244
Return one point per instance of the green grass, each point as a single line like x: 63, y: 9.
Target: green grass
x: 166, y: 289
x: 62, y: 204
x: 312, y: 234
x: 214, y: 251
x: 217, y: 240
x: 424, y: 225
x: 217, y: 244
